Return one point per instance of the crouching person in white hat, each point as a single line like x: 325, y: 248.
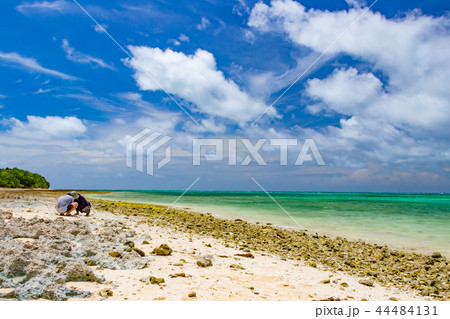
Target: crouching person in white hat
x: 67, y: 204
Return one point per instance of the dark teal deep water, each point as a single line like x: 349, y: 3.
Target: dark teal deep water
x: 415, y: 221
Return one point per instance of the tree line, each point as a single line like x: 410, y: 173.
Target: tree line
x: 19, y: 178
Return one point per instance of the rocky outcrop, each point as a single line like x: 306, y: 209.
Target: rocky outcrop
x: 39, y: 256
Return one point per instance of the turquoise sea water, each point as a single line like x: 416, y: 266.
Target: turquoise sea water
x: 405, y: 221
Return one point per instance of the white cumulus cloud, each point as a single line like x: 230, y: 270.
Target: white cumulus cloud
x: 196, y: 79
x: 398, y: 105
x: 48, y: 128
x: 345, y: 91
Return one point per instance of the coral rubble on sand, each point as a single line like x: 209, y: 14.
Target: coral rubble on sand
x: 39, y: 256
x: 427, y: 274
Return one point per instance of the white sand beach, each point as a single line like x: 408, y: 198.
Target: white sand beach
x: 230, y: 277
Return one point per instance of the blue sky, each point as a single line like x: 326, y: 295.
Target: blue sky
x: 376, y: 103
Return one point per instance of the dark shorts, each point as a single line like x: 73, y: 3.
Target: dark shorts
x: 69, y: 207
x: 86, y: 209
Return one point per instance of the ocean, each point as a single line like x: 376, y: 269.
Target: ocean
x: 420, y: 222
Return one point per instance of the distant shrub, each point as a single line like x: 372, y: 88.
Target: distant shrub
x: 19, y: 178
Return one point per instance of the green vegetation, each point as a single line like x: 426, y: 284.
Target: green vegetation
x: 19, y: 178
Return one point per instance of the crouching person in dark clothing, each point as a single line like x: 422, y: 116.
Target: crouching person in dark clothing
x: 83, y: 205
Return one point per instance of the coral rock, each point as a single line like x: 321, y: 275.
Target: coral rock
x: 156, y: 281
x: 115, y: 254
x: 366, y: 282
x: 79, y: 272
x: 205, y: 261
x: 163, y: 250
x: 129, y: 243
x: 192, y: 294
x: 106, y: 292
x: 140, y: 252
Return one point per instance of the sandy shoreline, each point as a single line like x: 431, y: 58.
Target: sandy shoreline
x: 36, y: 244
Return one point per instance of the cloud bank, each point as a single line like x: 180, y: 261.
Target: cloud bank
x: 394, y: 106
